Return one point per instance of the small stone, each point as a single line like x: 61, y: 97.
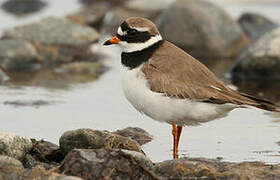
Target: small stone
x: 14, y: 146
x: 255, y: 25
x: 107, y: 164
x: 93, y: 139
x: 18, y: 55
x: 135, y: 133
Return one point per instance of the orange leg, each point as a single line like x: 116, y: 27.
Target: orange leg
x: 176, y: 131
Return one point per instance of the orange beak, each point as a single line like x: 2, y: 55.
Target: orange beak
x: 113, y: 40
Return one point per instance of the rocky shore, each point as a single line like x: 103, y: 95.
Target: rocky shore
x: 92, y: 154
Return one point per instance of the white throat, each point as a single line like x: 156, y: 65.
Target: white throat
x: 132, y: 47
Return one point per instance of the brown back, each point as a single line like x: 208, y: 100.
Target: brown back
x: 175, y: 73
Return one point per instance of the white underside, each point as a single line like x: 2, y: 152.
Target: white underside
x: 165, y: 109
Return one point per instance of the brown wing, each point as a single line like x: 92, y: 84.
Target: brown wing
x: 175, y: 73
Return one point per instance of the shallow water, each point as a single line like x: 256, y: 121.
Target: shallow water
x: 246, y: 134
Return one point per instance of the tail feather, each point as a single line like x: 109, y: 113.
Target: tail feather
x: 262, y: 103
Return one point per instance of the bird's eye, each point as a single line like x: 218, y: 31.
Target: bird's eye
x: 132, y: 31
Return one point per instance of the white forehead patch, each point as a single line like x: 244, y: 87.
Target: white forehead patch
x: 120, y: 32
x: 141, y: 29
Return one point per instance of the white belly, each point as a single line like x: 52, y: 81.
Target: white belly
x: 166, y: 109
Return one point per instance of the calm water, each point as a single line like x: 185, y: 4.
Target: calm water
x: 246, y: 134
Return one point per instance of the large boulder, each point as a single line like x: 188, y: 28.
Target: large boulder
x: 202, y: 29
x: 144, y: 8
x: 106, y: 164
x: 14, y: 146
x: 57, y: 40
x: 255, y: 25
x: 261, y: 61
x: 18, y: 55
x: 93, y: 139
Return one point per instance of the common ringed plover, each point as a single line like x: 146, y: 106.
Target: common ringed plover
x: 169, y: 85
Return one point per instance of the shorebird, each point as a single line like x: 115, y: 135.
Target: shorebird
x: 169, y: 85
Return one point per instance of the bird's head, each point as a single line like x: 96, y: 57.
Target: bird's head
x: 135, y: 34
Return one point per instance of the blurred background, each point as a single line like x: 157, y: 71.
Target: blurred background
x: 55, y: 75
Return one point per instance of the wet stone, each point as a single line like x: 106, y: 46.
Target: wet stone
x: 210, y: 33
x: 18, y: 55
x: 93, y: 139
x: 14, y: 146
x: 255, y: 25
x: 22, y: 7
x: 107, y: 164
x: 137, y: 134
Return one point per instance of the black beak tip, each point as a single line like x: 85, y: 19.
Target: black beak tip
x: 107, y: 43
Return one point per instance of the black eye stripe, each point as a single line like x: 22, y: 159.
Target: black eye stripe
x: 135, y: 37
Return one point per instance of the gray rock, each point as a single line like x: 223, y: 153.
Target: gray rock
x: 3, y: 76
x: 106, y: 164
x: 14, y: 146
x: 93, y: 139
x: 67, y: 42
x: 144, y: 8
x: 261, y: 60
x: 255, y: 25
x: 22, y: 7
x: 203, y: 29
x: 137, y: 134
x: 18, y: 55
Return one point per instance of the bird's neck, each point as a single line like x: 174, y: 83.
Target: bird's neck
x: 134, y: 59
